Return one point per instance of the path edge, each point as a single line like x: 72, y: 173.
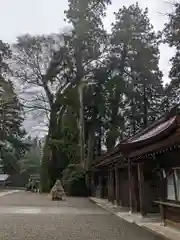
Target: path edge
x: 133, y: 222
x: 3, y: 194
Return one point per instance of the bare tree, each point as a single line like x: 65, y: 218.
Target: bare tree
x: 31, y: 59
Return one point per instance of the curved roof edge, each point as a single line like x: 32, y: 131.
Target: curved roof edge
x: 153, y: 133
x: 159, y: 129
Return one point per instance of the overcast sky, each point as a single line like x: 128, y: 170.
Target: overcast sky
x: 47, y: 16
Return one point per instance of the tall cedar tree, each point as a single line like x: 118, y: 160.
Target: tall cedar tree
x: 172, y: 37
x: 83, y: 46
x: 135, y: 56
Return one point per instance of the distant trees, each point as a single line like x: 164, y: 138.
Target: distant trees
x: 31, y: 161
x: 11, y: 115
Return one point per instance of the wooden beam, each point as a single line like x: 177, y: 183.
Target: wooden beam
x: 141, y: 188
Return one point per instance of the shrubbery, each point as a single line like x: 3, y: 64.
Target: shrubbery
x: 73, y: 180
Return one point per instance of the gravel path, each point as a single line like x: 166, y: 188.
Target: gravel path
x: 73, y: 219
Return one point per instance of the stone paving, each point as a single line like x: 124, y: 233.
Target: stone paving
x: 28, y: 216
x: 151, y: 222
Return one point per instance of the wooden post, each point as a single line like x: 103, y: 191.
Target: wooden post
x: 134, y: 193
x: 162, y: 196
x: 101, y: 184
x: 88, y: 182
x: 92, y: 183
x: 162, y: 212
x: 111, y: 186
x: 130, y: 186
x: 141, y: 189
x: 117, y: 185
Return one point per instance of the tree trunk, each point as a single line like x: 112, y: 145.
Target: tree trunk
x: 56, y: 162
x: 44, y: 172
x: 145, y: 117
x: 133, y: 117
x: 48, y: 154
x: 91, y: 141
x: 99, y: 141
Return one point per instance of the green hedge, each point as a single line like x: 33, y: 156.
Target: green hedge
x: 73, y: 180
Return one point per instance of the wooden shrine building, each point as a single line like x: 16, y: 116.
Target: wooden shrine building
x: 143, y: 172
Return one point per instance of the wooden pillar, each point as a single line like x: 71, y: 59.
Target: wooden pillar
x: 113, y: 185
x: 117, y: 185
x: 130, y: 186
x: 134, y: 193
x: 141, y: 189
x: 111, y: 193
x: 101, y: 184
x: 109, y: 188
x: 162, y: 212
x: 162, y: 197
x: 92, y: 183
x: 88, y: 178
